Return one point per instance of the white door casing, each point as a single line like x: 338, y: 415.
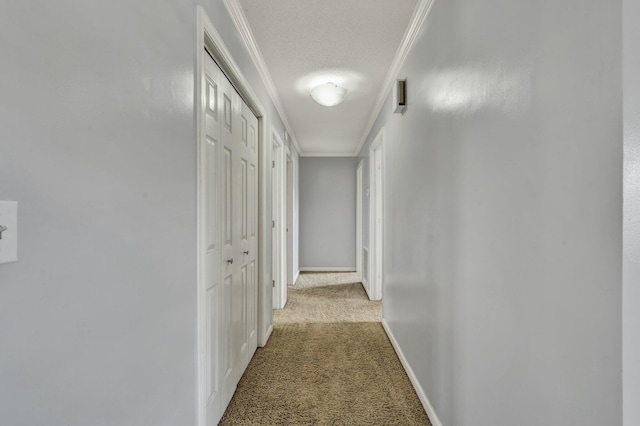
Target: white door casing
x: 278, y: 211
x: 289, y: 217
x: 359, y: 218
x: 376, y: 216
x: 275, y: 246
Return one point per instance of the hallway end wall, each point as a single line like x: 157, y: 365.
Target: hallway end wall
x: 327, y: 213
x: 503, y: 207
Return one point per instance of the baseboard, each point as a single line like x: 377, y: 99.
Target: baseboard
x: 266, y: 338
x: 295, y: 278
x: 365, y: 285
x: 327, y: 269
x: 435, y: 421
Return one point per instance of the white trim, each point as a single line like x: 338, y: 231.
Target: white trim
x: 265, y: 303
x: 289, y: 171
x: 228, y: 64
x: 359, y: 209
x: 296, y: 217
x: 295, y: 277
x: 329, y: 154
x: 279, y: 256
x: 201, y: 370
x: 328, y: 269
x: 431, y: 412
x: 376, y: 249
x: 365, y: 281
x: 420, y: 13
x: 263, y: 343
x: 240, y: 20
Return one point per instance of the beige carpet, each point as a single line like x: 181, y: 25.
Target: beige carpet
x: 320, y: 368
x: 322, y: 279
x: 328, y: 297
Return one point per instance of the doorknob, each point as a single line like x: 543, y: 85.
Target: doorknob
x: 230, y: 261
x: 246, y: 252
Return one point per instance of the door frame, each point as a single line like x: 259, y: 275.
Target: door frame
x: 208, y: 36
x: 359, y: 177
x: 290, y: 174
x: 279, y: 218
x: 376, y: 213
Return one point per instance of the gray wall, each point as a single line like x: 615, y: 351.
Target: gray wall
x: 502, y: 278
x: 98, y: 316
x: 631, y: 295
x: 328, y: 212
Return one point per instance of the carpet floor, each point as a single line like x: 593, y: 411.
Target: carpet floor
x: 326, y: 369
x: 328, y: 297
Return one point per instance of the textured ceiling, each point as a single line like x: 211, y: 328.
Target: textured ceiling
x: 309, y: 42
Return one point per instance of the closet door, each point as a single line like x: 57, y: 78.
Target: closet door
x: 230, y: 241
x: 246, y: 150
x: 229, y: 156
x: 216, y: 182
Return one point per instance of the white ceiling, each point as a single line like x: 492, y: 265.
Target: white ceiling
x: 352, y: 43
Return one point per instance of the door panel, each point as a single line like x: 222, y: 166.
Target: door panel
x: 247, y: 165
x: 230, y: 259
x: 210, y: 150
x: 227, y: 173
x: 251, y: 155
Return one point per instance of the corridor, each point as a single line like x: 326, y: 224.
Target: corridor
x: 169, y: 168
x: 328, y: 362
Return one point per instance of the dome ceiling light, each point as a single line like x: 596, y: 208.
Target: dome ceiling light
x: 328, y: 94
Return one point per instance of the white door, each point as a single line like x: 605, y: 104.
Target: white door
x: 279, y: 224
x: 246, y: 199
x: 229, y: 196
x: 216, y: 312
x: 275, y: 224
x: 230, y: 243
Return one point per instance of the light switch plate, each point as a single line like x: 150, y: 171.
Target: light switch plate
x: 9, y: 241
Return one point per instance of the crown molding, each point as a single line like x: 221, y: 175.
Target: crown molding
x: 420, y: 13
x: 240, y: 20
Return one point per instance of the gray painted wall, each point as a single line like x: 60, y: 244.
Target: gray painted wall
x: 98, y: 316
x: 328, y: 212
x: 502, y: 278
x: 631, y: 295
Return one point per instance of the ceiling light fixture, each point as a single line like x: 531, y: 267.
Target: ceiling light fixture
x: 328, y: 94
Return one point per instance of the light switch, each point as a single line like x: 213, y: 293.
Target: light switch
x: 9, y: 240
